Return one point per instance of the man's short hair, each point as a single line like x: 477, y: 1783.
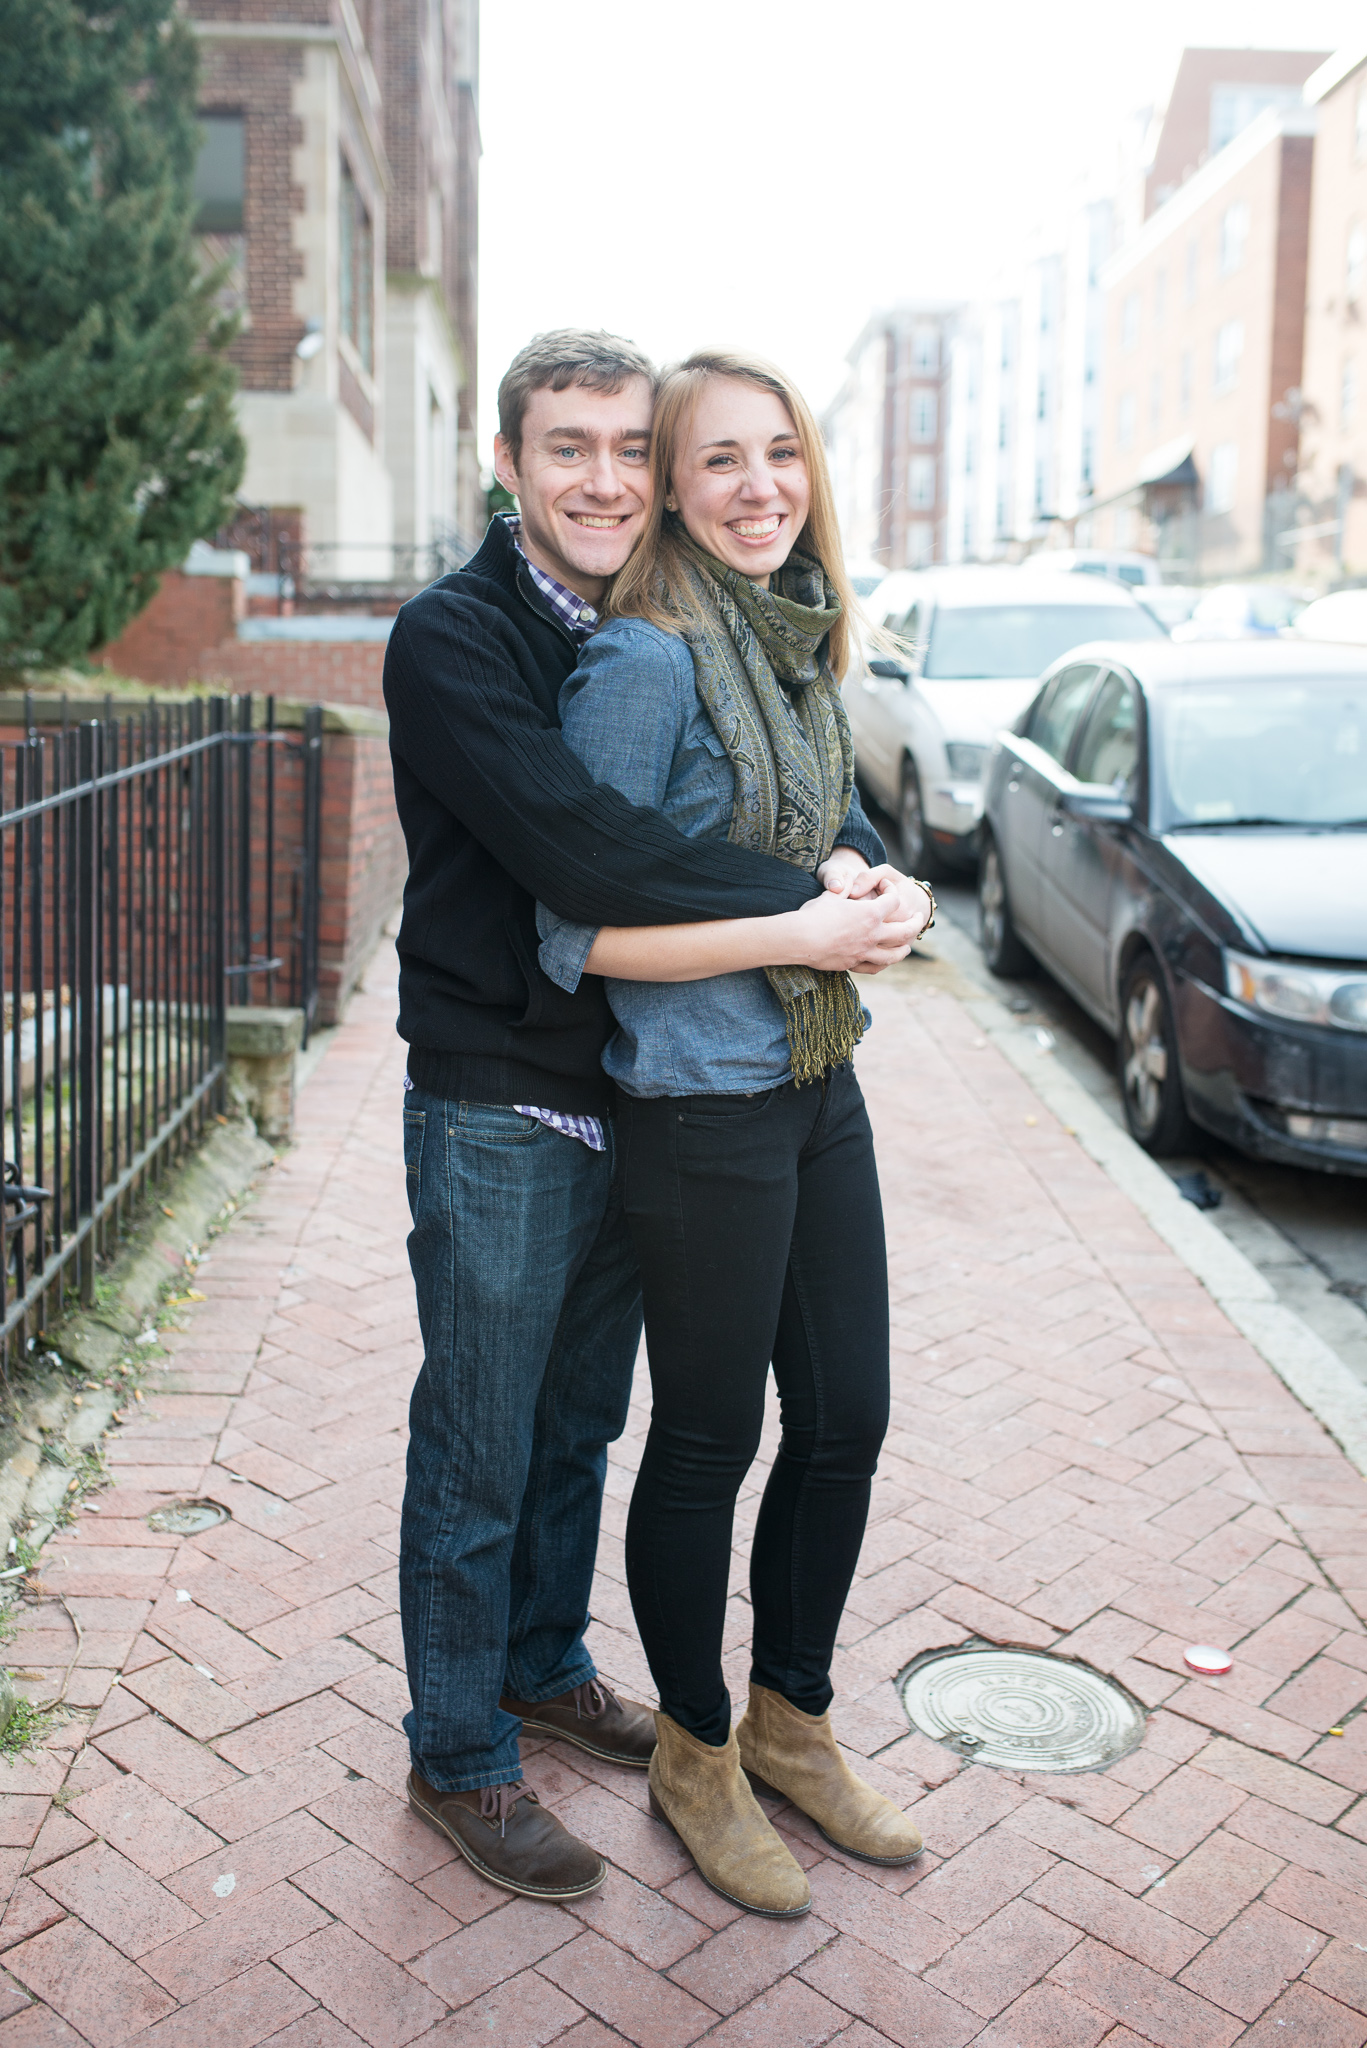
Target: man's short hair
x: 552, y: 362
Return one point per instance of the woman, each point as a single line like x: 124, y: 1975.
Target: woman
x: 749, y: 1176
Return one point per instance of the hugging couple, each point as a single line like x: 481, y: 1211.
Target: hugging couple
x: 639, y: 879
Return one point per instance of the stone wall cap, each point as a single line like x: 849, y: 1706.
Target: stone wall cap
x: 84, y: 704
x: 261, y: 1034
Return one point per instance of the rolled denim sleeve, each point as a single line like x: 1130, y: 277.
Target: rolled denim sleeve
x: 859, y: 833
x: 564, y: 948
x: 622, y: 712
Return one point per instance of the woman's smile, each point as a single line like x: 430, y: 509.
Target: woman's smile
x: 739, y: 479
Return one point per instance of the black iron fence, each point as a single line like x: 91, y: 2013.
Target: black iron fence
x: 157, y: 865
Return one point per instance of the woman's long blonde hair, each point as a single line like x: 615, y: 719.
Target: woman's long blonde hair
x: 653, y: 584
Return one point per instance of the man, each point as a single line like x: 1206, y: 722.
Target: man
x: 527, y: 1290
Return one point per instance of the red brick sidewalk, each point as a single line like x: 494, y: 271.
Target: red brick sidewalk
x: 1083, y: 1454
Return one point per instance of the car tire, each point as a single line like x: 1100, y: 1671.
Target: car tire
x: 919, y: 854
x: 1003, y: 949
x: 1147, y: 1065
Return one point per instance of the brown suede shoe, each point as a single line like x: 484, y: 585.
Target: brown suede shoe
x: 505, y: 1834
x: 594, y: 1719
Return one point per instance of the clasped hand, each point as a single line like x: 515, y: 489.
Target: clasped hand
x: 866, y: 919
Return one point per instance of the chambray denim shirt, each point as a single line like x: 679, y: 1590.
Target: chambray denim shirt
x: 632, y: 714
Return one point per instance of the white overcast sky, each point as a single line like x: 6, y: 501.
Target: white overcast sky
x: 764, y: 172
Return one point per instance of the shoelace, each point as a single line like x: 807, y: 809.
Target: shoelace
x: 593, y: 1698
x: 496, y: 1802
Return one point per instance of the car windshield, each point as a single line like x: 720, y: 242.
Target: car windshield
x: 1263, y: 752
x: 976, y: 642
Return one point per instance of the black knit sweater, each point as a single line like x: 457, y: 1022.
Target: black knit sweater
x: 497, y: 811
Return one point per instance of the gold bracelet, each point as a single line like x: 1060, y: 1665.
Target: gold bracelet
x: 933, y: 905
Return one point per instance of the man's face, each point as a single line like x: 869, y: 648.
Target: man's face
x: 581, y: 480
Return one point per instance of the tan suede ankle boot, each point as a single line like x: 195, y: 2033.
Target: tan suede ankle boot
x: 702, y: 1794
x: 795, y: 1754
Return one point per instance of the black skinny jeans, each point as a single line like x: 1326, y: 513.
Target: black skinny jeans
x: 759, y: 1231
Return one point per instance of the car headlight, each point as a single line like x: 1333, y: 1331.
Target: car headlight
x: 965, y: 761
x: 1306, y: 995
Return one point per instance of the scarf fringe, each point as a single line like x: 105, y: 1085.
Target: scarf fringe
x: 825, y: 1024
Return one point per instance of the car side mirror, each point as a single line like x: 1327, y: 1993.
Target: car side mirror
x: 1102, y: 805
x: 890, y: 671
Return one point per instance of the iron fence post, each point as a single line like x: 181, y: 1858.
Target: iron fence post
x: 218, y: 886
x: 86, y: 996
x: 313, y: 796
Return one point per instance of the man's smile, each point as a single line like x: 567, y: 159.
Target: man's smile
x: 598, y: 519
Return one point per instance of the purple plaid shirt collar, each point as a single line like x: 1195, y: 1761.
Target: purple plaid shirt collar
x: 569, y: 607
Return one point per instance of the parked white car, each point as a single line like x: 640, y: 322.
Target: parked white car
x: 978, y: 641
x: 1117, y: 563
x: 1340, y: 616
x: 1241, y: 611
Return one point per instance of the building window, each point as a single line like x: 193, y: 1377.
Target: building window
x: 221, y: 175
x: 1184, y: 381
x: 1039, y: 486
x: 220, y: 205
x: 357, y: 264
x: 920, y: 544
x: 925, y: 351
x: 1355, y: 269
x: 1193, y: 260
x: 1224, y: 475
x: 1233, y: 237
x: 923, y: 415
x: 1348, y: 393
x: 968, y: 456
x: 1001, y: 511
x: 1042, y: 401
x: 921, y: 481
x: 1129, y: 322
x: 1160, y: 296
x: 1086, y: 458
x: 1229, y: 348
x: 1155, y: 401
x: 1124, y: 421
x: 968, y: 533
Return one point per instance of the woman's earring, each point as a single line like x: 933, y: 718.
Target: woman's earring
x: 671, y: 504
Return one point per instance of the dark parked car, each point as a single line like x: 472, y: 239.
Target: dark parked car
x: 1179, y: 834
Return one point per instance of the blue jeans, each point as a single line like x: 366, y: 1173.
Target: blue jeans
x: 530, y: 1305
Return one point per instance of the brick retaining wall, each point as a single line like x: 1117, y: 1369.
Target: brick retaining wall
x: 165, y: 642
x: 308, y: 671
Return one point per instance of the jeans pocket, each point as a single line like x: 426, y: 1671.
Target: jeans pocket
x: 495, y: 1123
x: 717, y: 1111
x: 414, y: 1131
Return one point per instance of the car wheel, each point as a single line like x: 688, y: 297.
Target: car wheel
x: 1149, y: 1070
x: 1002, y: 947
x: 919, y: 855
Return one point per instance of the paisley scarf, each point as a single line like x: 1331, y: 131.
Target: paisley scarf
x: 761, y: 669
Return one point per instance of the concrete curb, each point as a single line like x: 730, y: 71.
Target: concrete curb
x: 1315, y: 1374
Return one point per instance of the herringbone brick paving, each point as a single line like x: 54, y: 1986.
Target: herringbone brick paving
x: 1084, y: 1454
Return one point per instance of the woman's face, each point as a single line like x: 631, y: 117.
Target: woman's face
x: 740, y: 479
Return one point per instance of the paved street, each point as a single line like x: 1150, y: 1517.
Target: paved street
x: 1084, y: 1455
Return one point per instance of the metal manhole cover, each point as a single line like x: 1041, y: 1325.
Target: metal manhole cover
x: 1021, y: 1710
x: 186, y: 1517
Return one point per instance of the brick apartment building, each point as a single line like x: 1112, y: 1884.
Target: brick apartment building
x: 1333, y: 479
x: 885, y: 435
x: 339, y: 180
x: 1204, y: 325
